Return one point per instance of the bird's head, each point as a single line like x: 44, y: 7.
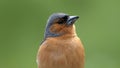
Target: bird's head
x: 60, y: 24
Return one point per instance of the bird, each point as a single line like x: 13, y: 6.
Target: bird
x: 61, y: 47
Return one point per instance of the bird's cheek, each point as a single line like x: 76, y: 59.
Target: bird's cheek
x: 55, y: 28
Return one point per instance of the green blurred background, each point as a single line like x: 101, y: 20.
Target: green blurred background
x: 22, y: 25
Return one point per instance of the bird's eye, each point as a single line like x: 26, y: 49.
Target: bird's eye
x: 65, y: 17
x: 63, y: 20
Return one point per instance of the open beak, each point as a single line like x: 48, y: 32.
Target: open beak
x: 72, y: 19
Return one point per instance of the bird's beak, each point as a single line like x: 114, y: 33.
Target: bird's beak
x: 72, y: 19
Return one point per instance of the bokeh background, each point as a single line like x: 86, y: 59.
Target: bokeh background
x: 22, y: 24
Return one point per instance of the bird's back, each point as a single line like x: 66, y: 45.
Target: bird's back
x: 61, y: 53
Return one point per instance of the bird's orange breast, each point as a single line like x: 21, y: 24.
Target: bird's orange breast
x: 61, y: 53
